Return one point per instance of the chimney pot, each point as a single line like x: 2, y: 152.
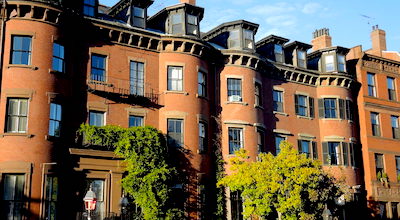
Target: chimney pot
x: 378, y: 38
x: 321, y: 39
x: 191, y: 2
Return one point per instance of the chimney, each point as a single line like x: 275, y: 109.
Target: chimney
x: 321, y: 39
x: 192, y: 2
x: 378, y: 38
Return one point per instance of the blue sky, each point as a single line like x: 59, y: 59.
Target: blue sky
x: 349, y: 21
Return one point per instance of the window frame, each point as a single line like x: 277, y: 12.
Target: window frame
x: 59, y: 57
x: 103, y: 113
x: 379, y: 166
x: 330, y: 66
x: 258, y: 97
x: 279, y: 55
x: 277, y: 145
x: 239, y: 132
x: 88, y: 5
x: 331, y: 109
x: 189, y: 25
x: 18, y: 115
x: 135, y: 18
x: 375, y: 124
x: 133, y: 124
x: 397, y: 159
x: 341, y: 65
x: 178, y: 82
x: 20, y: 192
x: 371, y: 84
x: 261, y: 141
x: 21, y: 50
x: 56, y: 121
x: 302, y: 63
x: 394, y: 121
x: 171, y: 136
x: 235, y: 41
x: 278, y: 103
x: 136, y: 81
x: 181, y: 23
x: 97, y: 77
x: 391, y: 82
x: 203, y: 140
x: 50, y: 200
x: 248, y: 42
x: 234, y: 88
x: 312, y: 148
x: 202, y: 85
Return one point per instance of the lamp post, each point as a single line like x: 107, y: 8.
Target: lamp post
x: 90, y: 201
x: 124, y: 204
x: 326, y: 214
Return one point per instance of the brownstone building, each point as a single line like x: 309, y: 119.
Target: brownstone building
x: 64, y: 63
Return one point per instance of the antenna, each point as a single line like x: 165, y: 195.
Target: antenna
x: 368, y: 18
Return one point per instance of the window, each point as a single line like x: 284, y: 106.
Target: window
x: 175, y: 78
x: 330, y: 108
x: 13, y: 204
x: 50, y: 200
x: 235, y: 139
x: 98, y: 187
x: 58, y: 63
x: 279, y: 56
x: 175, y: 132
x: 391, y: 89
x: 17, y: 115
x: 333, y: 153
x: 236, y: 205
x: 309, y: 148
x: 234, y: 39
x: 260, y: 141
x: 21, y: 50
x: 349, y: 110
x: 376, y: 131
x: 336, y: 153
x: 192, y: 25
x: 258, y: 94
x: 89, y: 7
x: 135, y: 121
x: 341, y: 63
x: 395, y: 213
x: 177, y: 23
x: 277, y: 100
x: 234, y: 90
x: 136, y: 78
x: 371, y: 84
x: 301, y: 59
x: 278, y: 140
x: 96, y: 118
x: 202, y: 137
x: 98, y: 68
x: 329, y: 63
x: 304, y: 106
x: 379, y: 167
x: 248, y: 39
x: 55, y: 120
x: 202, y: 84
x: 397, y: 158
x: 139, y: 17
x: 395, y: 127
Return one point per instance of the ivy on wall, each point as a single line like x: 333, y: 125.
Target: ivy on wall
x: 150, y: 174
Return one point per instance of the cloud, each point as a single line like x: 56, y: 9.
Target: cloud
x: 281, y: 20
x: 278, y: 8
x: 241, y: 2
x: 311, y: 8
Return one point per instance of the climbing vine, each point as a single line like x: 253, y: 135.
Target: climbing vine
x: 149, y: 171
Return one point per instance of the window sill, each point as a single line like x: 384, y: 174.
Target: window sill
x: 202, y: 97
x: 305, y: 117
x: 280, y: 113
x: 383, y: 138
x: 17, y: 134
x: 55, y: 72
x: 201, y: 151
x: 332, y: 119
x: 258, y: 106
x: 22, y: 66
x: 51, y: 138
x: 240, y: 103
x: 176, y: 92
x: 91, y: 81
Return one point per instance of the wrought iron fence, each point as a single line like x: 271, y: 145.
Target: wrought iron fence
x: 109, y: 216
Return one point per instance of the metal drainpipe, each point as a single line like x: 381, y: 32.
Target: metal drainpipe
x: 3, y: 22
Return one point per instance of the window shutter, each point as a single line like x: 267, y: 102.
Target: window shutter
x: 345, y: 153
x: 321, y: 109
x: 339, y: 155
x: 325, y: 153
x: 314, y: 150
x: 311, y: 104
x: 299, y: 146
x: 296, y: 104
x: 396, y: 133
x: 349, y: 110
x: 341, y: 109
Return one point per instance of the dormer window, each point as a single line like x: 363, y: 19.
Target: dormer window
x: 139, y: 17
x: 329, y: 63
x: 177, y: 23
x: 248, y: 39
x: 301, y: 59
x: 89, y: 7
x: 192, y: 25
x: 341, y: 63
x: 278, y: 51
x: 234, y: 39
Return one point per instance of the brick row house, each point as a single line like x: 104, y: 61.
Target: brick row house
x: 64, y: 63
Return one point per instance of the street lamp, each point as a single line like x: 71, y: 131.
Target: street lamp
x: 90, y: 201
x: 123, y: 203
x: 326, y: 214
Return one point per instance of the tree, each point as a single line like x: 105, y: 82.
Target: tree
x: 150, y: 174
x: 289, y: 183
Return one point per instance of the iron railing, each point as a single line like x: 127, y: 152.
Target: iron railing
x: 50, y: 2
x: 125, y: 88
x: 109, y: 216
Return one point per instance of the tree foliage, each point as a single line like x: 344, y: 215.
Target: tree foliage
x: 289, y: 183
x: 149, y: 173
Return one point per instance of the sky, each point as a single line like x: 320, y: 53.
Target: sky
x: 349, y: 21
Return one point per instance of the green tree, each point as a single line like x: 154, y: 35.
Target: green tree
x: 150, y: 174
x: 289, y: 183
